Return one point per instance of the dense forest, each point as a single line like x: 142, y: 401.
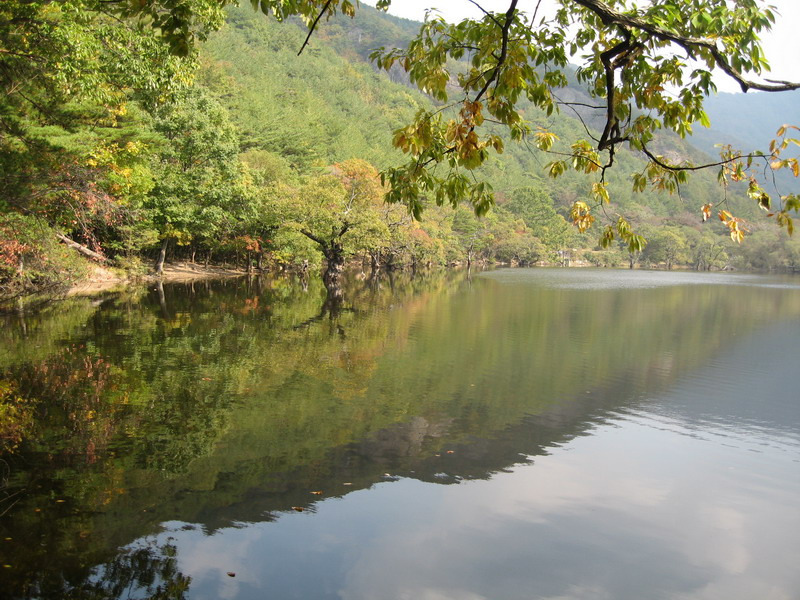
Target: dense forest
x: 244, y: 152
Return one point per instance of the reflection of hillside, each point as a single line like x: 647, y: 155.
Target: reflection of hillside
x: 133, y: 397
x: 235, y: 403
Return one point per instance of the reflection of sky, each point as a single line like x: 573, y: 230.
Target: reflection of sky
x: 748, y: 393
x: 632, y: 511
x: 694, y: 495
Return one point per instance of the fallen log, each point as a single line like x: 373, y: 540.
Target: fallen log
x: 83, y: 249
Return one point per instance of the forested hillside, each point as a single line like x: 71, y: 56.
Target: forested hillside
x: 252, y: 154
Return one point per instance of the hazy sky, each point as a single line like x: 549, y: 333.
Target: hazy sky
x: 782, y: 44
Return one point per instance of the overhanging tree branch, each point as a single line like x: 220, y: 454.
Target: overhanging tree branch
x: 611, y: 17
x: 658, y: 161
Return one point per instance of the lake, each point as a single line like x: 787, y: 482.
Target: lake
x: 518, y: 434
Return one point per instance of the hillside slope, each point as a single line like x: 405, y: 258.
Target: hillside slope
x: 330, y: 104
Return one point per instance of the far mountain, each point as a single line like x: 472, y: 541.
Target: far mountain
x: 749, y: 122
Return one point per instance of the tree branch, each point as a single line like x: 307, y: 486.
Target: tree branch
x: 314, y: 238
x: 583, y: 104
x: 313, y: 27
x: 670, y: 167
x: 503, y: 49
x: 83, y: 249
x: 487, y: 13
x: 572, y: 105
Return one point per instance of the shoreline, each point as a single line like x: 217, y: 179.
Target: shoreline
x: 103, y: 279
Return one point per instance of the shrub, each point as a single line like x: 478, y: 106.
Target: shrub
x: 32, y: 259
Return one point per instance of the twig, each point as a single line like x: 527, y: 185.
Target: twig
x: 10, y: 507
x: 313, y: 27
x: 487, y: 13
x: 535, y: 13
x: 669, y: 167
x: 503, y: 49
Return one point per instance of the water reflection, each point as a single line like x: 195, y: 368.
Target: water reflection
x: 601, y: 437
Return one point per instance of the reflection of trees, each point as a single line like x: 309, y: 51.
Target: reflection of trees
x: 140, y: 572
x: 132, y: 401
x: 331, y: 310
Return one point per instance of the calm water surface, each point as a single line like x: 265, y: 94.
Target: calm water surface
x: 525, y: 434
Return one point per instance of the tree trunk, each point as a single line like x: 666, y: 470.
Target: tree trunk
x: 375, y: 261
x: 162, y: 299
x: 82, y: 249
x: 21, y: 316
x: 334, y: 254
x: 162, y: 255
x: 333, y: 272
x: 334, y: 300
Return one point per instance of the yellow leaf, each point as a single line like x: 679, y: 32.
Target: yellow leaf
x: 600, y: 191
x: 544, y: 140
